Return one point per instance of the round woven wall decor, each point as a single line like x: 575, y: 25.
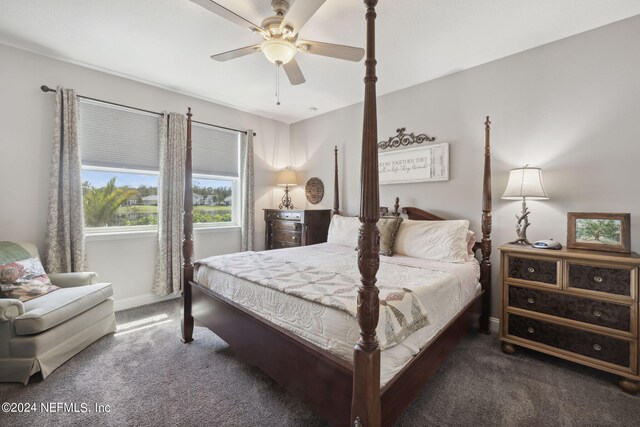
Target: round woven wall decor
x: 314, y: 190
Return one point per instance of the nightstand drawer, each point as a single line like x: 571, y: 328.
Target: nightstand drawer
x: 286, y: 215
x: 290, y: 237
x: 533, y: 270
x: 594, y: 312
x: 589, y: 344
x: 606, y: 281
x: 286, y: 225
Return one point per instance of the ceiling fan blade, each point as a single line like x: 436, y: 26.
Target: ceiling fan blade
x: 236, y: 53
x: 299, y: 14
x: 294, y: 73
x: 229, y: 15
x: 332, y: 50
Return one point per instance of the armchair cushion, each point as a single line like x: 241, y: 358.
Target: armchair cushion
x: 57, y: 307
x: 24, y: 280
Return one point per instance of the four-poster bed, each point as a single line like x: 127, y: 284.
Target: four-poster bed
x: 343, y: 392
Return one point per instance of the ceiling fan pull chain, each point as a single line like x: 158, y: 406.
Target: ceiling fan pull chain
x: 278, y: 83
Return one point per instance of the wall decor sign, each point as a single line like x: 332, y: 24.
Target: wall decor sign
x: 609, y: 232
x: 414, y: 164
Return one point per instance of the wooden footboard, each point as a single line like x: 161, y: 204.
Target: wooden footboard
x: 323, y: 381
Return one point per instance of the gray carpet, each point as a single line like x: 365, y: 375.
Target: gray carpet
x: 149, y: 378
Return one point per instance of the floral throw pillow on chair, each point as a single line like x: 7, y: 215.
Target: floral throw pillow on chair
x: 24, y: 280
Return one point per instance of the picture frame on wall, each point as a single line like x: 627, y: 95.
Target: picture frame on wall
x: 596, y: 231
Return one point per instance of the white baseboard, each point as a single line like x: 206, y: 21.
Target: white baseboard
x: 494, y: 325
x: 137, y: 301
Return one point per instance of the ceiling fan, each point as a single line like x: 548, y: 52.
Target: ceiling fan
x: 280, y: 34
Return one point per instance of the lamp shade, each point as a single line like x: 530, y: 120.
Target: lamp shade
x: 286, y: 177
x: 525, y: 182
x: 278, y: 50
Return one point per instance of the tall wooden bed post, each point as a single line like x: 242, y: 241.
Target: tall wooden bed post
x: 365, y: 403
x: 336, y: 189
x: 485, y: 264
x: 187, y: 242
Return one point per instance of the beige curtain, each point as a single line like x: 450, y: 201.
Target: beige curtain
x: 64, y: 245
x: 248, y: 197
x: 173, y: 137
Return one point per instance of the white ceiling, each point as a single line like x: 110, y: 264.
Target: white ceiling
x: 168, y: 43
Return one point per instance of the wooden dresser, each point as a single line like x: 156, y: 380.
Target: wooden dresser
x: 289, y: 228
x: 575, y: 304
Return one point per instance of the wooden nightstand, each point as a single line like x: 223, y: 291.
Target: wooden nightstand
x: 289, y: 228
x: 575, y: 304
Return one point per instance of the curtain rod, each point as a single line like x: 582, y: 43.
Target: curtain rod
x: 46, y: 88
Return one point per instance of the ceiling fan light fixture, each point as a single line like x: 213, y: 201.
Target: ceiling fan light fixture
x: 278, y: 50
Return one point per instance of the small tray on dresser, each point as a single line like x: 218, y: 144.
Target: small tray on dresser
x: 575, y: 304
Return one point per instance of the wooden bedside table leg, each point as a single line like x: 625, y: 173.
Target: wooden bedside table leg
x: 629, y: 386
x: 510, y: 348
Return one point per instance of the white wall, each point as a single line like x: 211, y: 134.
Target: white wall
x: 570, y: 107
x: 26, y: 130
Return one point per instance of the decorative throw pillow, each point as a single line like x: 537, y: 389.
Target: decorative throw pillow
x: 12, y: 252
x: 24, y: 280
x: 435, y: 240
x: 388, y: 227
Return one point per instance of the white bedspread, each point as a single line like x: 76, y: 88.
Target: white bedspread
x: 436, y: 291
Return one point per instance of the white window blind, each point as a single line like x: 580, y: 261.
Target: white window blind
x: 215, y: 152
x: 118, y: 137
x: 123, y: 138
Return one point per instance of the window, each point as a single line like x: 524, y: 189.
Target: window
x: 120, y: 170
x: 216, y: 175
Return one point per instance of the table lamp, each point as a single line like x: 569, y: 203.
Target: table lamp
x: 286, y: 178
x: 524, y: 182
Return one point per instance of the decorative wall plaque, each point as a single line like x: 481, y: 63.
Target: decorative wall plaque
x: 401, y: 165
x: 314, y: 190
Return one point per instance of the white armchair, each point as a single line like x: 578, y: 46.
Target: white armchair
x: 41, y: 334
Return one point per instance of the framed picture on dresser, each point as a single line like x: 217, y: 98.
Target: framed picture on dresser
x: 599, y: 231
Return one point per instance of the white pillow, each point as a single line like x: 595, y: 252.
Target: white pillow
x: 343, y: 230
x: 435, y: 240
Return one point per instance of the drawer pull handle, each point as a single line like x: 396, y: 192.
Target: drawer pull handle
x: 531, y: 270
x: 597, y: 347
x: 597, y: 279
x: 530, y: 300
x: 597, y: 313
x: 530, y: 330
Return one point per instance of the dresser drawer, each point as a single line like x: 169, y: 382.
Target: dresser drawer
x: 590, y: 344
x: 286, y: 215
x: 533, y: 270
x: 593, y: 312
x: 290, y: 237
x: 602, y: 280
x: 286, y: 225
